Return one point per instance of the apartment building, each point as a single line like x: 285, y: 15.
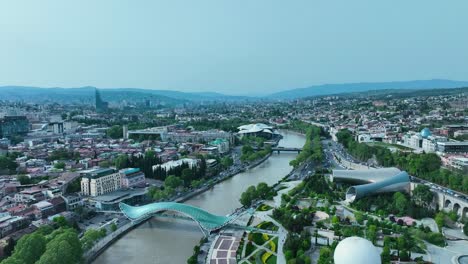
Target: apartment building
x: 100, y: 181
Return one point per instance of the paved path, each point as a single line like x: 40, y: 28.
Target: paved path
x: 282, y: 232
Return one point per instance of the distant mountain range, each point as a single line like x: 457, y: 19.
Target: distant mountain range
x: 86, y: 95
x: 328, y: 89
x: 167, y: 97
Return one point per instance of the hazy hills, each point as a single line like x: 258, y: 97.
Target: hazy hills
x: 327, y: 89
x: 166, y: 97
x: 86, y: 95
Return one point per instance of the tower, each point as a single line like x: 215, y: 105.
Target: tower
x: 101, y: 106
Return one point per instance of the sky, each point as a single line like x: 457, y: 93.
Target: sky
x: 233, y: 47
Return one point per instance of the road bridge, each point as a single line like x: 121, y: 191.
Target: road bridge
x: 445, y: 201
x: 282, y: 149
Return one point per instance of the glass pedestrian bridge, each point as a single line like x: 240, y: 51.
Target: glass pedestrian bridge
x: 207, y: 222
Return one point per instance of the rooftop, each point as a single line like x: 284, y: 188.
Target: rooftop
x: 97, y: 173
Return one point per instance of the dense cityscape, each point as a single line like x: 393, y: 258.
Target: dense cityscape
x: 233, y: 132
x: 376, y: 176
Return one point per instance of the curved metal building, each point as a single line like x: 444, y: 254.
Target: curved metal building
x: 372, y: 181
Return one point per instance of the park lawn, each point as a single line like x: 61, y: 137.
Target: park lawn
x: 249, y: 248
x: 266, y: 256
x: 273, y: 245
x: 267, y: 225
x: 271, y: 260
x: 264, y: 207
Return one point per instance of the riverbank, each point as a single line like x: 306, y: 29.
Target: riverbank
x: 162, y: 240
x: 279, y: 186
x: 107, y: 241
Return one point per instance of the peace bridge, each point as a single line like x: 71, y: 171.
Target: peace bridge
x: 206, y: 221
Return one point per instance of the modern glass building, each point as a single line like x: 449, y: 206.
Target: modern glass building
x: 372, y: 181
x: 13, y: 125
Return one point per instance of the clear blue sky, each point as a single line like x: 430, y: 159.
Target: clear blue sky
x: 233, y: 47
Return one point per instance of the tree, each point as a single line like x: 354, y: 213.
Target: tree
x: 262, y: 190
x: 173, y: 182
x: 335, y: 220
x: 59, y: 165
x: 404, y: 255
x: 325, y: 256
x: 7, y: 163
x: 12, y: 260
x: 385, y: 255
x: 248, y: 196
x: 90, y: 237
x: 400, y: 202
x: 465, y: 229
x: 372, y: 233
x: 61, y: 221
x: 23, y: 179
x: 121, y: 161
x: 115, y: 132
x: 359, y: 217
x: 440, y: 220
x: 422, y: 195
x: 226, y: 162
x: 113, y: 227
x: 30, y: 248
x: 65, y: 247
x: 187, y: 176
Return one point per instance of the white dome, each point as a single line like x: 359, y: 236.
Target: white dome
x: 356, y: 250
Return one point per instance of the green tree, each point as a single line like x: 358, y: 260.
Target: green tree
x: 12, y: 260
x: 23, y: 179
x: 248, y: 196
x: 422, y: 195
x: 115, y: 132
x: 325, y: 256
x: 59, y: 165
x: 113, y: 227
x: 121, y: 161
x: 61, y: 221
x: 226, y: 162
x: 372, y: 233
x: 187, y: 175
x: 359, y: 217
x: 30, y: 248
x: 400, y: 202
x: 173, y: 181
x: 440, y: 220
x: 385, y: 255
x: 90, y: 237
x: 262, y: 190
x: 335, y: 220
x: 7, y: 163
x: 465, y: 229
x: 63, y: 248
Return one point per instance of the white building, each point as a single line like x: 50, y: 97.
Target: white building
x: 459, y: 163
x: 100, y: 181
x: 176, y: 163
x: 429, y: 144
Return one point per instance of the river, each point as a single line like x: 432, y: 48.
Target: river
x: 171, y: 241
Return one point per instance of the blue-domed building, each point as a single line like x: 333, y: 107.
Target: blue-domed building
x: 425, y: 133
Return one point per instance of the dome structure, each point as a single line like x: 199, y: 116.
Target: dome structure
x: 255, y: 128
x: 425, y: 133
x: 356, y: 250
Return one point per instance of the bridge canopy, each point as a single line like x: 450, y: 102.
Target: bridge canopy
x: 207, y: 221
